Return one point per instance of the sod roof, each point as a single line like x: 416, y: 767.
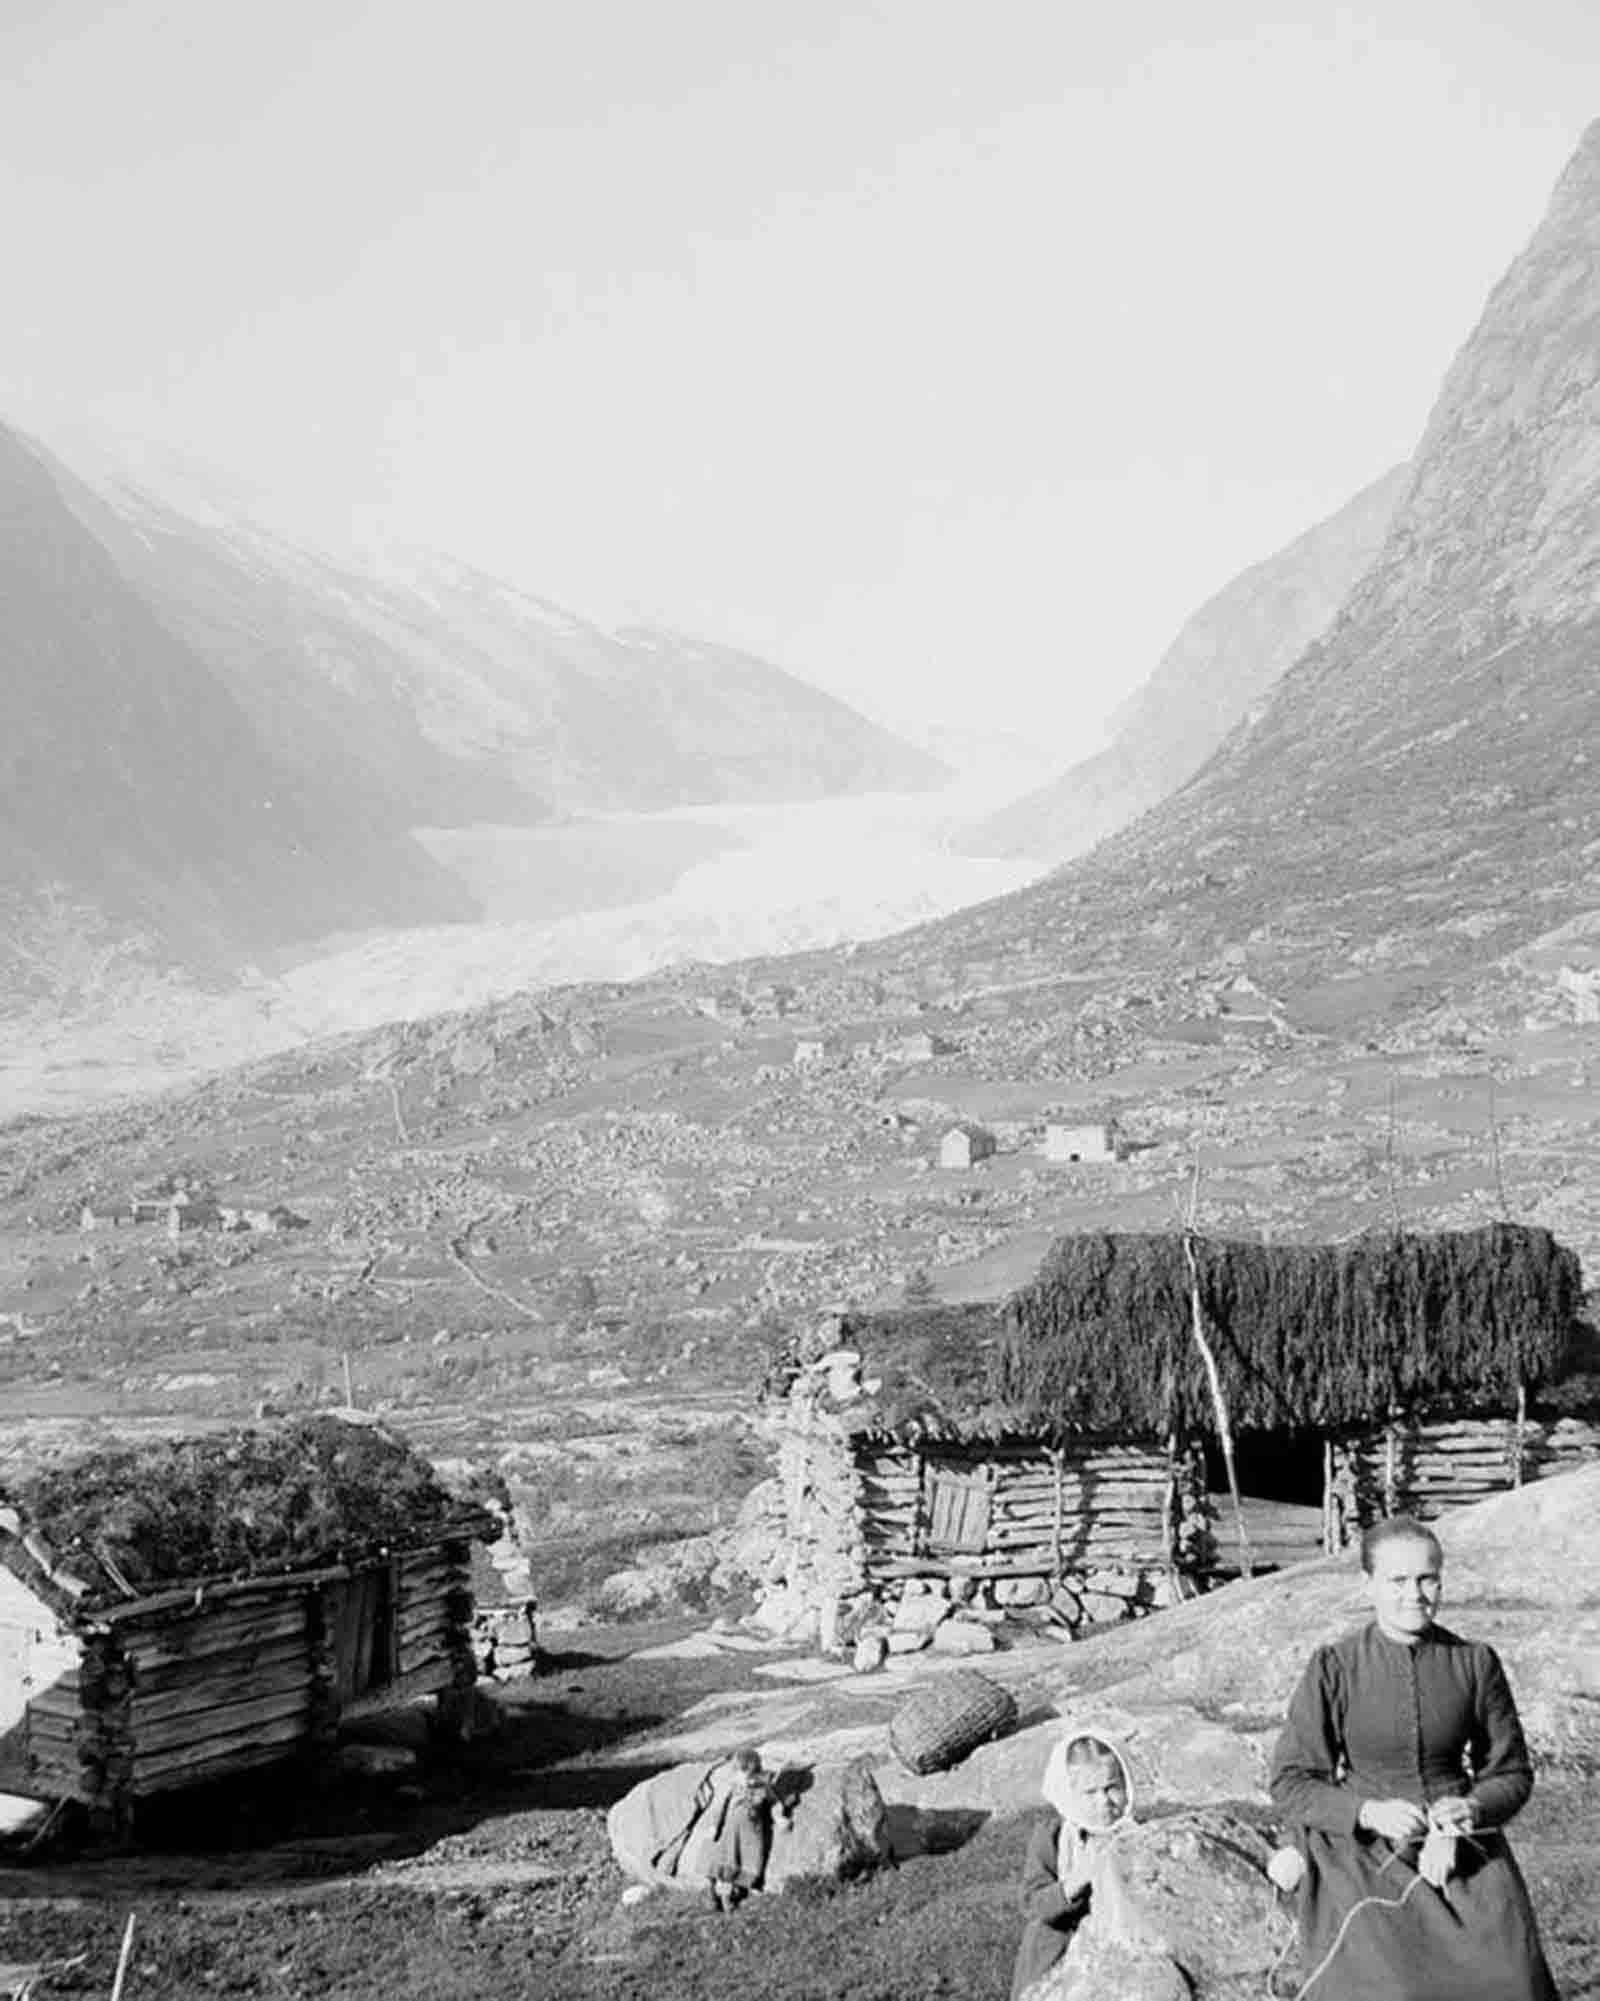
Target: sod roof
x: 1324, y: 1336
x: 320, y: 1491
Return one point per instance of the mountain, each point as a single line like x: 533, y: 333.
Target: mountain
x: 1416, y: 800
x: 133, y: 785
x: 297, y: 641
x: 1215, y: 672
x: 448, y: 696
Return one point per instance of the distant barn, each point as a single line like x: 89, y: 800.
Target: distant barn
x: 965, y: 1145
x: 1092, y: 1143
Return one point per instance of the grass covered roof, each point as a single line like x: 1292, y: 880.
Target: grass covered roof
x: 1305, y: 1335
x: 316, y: 1491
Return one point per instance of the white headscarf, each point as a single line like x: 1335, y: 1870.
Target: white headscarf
x: 1060, y: 1786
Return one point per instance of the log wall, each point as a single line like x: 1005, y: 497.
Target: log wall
x: 1095, y: 1531
x: 1423, y: 1468
x: 162, y: 1695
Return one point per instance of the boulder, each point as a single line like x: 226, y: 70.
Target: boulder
x: 962, y: 1636
x: 920, y: 1614
x: 870, y: 1651
x: 839, y: 1828
x: 1184, y: 1908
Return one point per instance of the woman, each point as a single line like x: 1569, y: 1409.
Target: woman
x: 1401, y: 1761
x: 1087, y: 1783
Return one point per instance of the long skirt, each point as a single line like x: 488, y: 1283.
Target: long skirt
x: 1473, y: 1940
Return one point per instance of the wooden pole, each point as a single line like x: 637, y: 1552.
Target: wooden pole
x: 1214, y: 1379
x: 349, y: 1384
x: 1056, y: 1457
x: 1519, y: 1437
x: 122, y: 1958
x: 1330, y: 1533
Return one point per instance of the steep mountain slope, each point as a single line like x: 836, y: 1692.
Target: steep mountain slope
x: 1218, y: 668
x: 445, y: 696
x: 1419, y: 794
x: 283, y: 630
x: 132, y: 782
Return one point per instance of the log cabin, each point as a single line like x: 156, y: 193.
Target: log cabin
x: 196, y: 1609
x: 1051, y: 1448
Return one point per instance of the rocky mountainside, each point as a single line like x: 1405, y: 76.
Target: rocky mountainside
x: 1215, y: 673
x: 132, y: 783
x: 448, y: 696
x: 1418, y: 797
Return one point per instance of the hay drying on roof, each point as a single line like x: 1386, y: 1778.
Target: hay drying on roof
x: 240, y: 1503
x: 1306, y: 1335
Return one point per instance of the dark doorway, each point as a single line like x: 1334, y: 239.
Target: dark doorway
x: 1280, y: 1483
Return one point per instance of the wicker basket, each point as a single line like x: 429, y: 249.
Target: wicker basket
x: 939, y: 1723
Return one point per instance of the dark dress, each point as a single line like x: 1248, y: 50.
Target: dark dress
x: 1374, y: 1718
x: 1052, y: 1915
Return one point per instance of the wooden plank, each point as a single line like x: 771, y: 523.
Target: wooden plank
x: 244, y: 1758
x: 211, y: 1670
x: 420, y: 1656
x: 163, y: 1646
x: 223, y: 1719
x: 196, y: 1600
x: 417, y: 1681
x: 214, y: 1755
x: 243, y: 1684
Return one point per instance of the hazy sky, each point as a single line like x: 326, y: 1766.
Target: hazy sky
x: 951, y: 353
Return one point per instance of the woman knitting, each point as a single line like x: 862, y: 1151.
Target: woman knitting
x: 1401, y: 1762
x: 1087, y: 1783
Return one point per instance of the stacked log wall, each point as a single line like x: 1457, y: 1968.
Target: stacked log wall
x: 225, y: 1690
x: 1423, y: 1468
x: 1098, y: 1531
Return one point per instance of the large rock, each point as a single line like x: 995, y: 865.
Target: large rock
x: 839, y: 1829
x: 1187, y: 1910
x: 1522, y: 1571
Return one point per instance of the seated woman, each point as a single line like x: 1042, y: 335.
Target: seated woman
x: 1087, y: 1783
x: 1401, y: 1761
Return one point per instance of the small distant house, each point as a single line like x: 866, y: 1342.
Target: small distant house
x: 1580, y: 987
x: 1242, y: 1000
x: 810, y: 1052
x: 104, y: 1213
x: 965, y: 1145
x: 162, y: 1625
x: 187, y: 1211
x: 1063, y: 1143
x: 726, y: 1004
x: 922, y: 1046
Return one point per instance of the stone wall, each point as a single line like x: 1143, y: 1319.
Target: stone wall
x: 882, y: 1537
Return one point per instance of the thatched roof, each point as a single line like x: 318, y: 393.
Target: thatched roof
x: 120, y: 1524
x: 1305, y: 1335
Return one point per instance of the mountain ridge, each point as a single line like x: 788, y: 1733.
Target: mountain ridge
x: 1224, y: 660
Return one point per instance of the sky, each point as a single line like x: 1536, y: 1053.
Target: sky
x: 949, y: 354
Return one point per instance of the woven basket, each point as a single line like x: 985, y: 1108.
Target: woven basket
x: 939, y: 1723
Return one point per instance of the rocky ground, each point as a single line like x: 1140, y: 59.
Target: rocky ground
x: 493, y: 1877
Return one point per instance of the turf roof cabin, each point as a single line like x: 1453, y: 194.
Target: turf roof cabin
x: 1050, y: 1447
x: 188, y: 1610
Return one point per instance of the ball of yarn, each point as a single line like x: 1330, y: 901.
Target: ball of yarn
x: 1286, y: 1868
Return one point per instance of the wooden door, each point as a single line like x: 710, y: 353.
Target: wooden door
x: 957, y: 1502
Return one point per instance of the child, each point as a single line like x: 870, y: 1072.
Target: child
x: 733, y: 1834
x: 1087, y: 1784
